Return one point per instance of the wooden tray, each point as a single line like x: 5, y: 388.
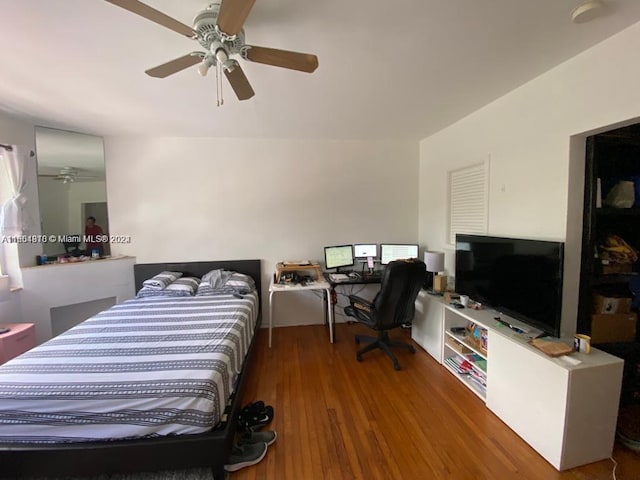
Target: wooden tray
x: 551, y: 348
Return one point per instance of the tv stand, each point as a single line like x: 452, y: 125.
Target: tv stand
x: 565, y: 408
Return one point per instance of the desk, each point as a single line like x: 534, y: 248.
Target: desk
x: 359, y: 280
x: 317, y: 285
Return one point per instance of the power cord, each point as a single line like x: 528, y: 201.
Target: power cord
x: 615, y: 465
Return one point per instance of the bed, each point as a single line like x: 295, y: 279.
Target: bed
x: 167, y: 443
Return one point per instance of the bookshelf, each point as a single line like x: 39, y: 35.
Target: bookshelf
x: 462, y: 348
x: 463, y: 359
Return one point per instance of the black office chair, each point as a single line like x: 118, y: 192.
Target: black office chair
x: 392, y: 307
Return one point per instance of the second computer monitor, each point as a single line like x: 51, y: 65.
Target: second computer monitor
x: 390, y: 252
x: 362, y: 250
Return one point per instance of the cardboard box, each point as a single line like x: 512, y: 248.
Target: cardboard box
x: 612, y: 268
x: 610, y: 305
x: 450, y: 296
x: 458, y: 347
x: 613, y: 327
x: 439, y: 283
x: 478, y: 337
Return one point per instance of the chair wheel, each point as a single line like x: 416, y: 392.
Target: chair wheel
x: 359, y: 358
x: 396, y: 366
x: 357, y: 341
x: 412, y: 350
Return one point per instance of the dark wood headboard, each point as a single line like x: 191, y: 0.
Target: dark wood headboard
x: 142, y: 271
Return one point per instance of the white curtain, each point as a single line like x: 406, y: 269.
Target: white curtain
x: 14, y: 163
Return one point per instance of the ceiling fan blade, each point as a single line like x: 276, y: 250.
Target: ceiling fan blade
x: 239, y: 83
x: 175, y: 65
x: 232, y: 15
x: 304, y: 62
x: 139, y: 8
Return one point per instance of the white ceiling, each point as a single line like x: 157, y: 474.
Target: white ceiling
x: 400, y: 69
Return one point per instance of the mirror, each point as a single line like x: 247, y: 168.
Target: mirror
x: 71, y: 187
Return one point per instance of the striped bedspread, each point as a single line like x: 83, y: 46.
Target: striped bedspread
x: 146, y: 367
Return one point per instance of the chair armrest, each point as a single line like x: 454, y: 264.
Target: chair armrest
x: 360, y: 303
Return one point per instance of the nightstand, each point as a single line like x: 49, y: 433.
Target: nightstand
x: 20, y: 338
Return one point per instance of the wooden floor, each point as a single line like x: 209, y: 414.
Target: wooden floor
x: 340, y: 419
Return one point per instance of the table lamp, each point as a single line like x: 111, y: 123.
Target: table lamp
x: 435, y: 264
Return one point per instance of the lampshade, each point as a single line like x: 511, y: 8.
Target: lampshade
x: 434, y: 261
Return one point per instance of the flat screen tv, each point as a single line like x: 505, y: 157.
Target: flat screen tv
x: 522, y: 278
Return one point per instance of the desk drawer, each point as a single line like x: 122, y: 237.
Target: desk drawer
x: 16, y: 343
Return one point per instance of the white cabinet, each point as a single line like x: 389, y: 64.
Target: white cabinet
x: 565, y: 408
x: 566, y: 412
x: 426, y: 329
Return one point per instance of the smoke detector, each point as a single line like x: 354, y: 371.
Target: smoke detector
x: 587, y: 11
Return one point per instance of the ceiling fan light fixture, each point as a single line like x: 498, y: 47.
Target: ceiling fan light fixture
x: 204, y: 67
x: 221, y: 55
x: 587, y: 11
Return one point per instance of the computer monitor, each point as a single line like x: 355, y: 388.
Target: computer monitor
x: 338, y: 256
x: 367, y: 250
x: 390, y: 252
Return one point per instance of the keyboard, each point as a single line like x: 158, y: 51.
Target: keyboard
x: 372, y: 276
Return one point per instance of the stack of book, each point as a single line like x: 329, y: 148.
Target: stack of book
x: 459, y: 365
x: 472, y: 365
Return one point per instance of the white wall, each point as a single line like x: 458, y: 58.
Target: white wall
x: 528, y: 136
x: 213, y: 199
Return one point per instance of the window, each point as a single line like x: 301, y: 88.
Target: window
x: 468, y: 200
x: 5, y: 190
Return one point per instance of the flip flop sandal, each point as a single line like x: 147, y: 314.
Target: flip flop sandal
x: 255, y: 416
x: 262, y: 419
x: 252, y: 408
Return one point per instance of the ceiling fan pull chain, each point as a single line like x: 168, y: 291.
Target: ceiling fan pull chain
x: 221, y: 84
x: 217, y: 85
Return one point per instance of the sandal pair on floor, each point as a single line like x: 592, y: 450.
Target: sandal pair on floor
x: 254, y: 416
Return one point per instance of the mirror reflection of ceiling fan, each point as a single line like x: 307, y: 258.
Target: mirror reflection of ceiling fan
x: 218, y: 29
x: 68, y: 175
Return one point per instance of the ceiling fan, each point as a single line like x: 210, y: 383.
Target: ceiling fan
x: 68, y: 175
x: 218, y: 29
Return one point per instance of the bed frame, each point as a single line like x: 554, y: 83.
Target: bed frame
x: 209, y: 449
